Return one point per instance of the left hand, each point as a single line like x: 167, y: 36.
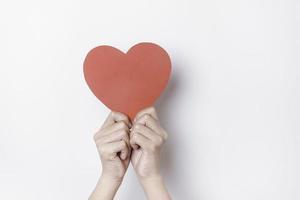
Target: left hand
x: 113, y: 145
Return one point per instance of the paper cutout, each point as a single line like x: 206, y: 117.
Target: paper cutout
x: 127, y: 82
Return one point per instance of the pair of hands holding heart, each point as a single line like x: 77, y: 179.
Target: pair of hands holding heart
x: 120, y: 141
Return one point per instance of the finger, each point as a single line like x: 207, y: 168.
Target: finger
x: 150, y: 110
x: 115, y: 117
x: 120, y: 146
x: 153, y: 124
x: 134, y: 146
x: 112, y: 149
x: 115, y: 136
x: 120, y: 135
x: 140, y: 140
x: 110, y: 129
x: 124, y: 152
x: 150, y: 122
x: 148, y: 133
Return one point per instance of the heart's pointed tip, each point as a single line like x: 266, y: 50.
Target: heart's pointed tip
x: 131, y: 116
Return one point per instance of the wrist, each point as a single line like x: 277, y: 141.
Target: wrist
x: 155, y: 188
x: 108, y: 179
x: 150, y: 179
x: 106, y: 188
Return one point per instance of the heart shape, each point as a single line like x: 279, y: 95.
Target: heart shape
x: 127, y: 82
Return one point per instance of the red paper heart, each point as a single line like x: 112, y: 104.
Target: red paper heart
x: 127, y: 82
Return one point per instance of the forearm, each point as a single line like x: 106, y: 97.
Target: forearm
x: 155, y: 188
x: 105, y: 189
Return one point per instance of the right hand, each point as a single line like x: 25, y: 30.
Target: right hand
x: 147, y: 139
x: 113, y: 145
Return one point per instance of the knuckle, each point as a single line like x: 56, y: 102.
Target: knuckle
x: 147, y: 117
x: 151, y: 109
x: 122, y: 125
x: 138, y: 126
x: 159, y: 140
x: 113, y: 113
x: 123, y: 133
x: 97, y: 142
x: 119, y: 115
x: 165, y: 134
x: 123, y: 144
x: 101, y: 148
x: 96, y: 135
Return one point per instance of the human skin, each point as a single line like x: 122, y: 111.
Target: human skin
x: 147, y: 138
x: 120, y: 141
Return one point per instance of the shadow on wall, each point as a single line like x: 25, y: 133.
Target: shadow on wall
x: 166, y: 107
x: 172, y: 102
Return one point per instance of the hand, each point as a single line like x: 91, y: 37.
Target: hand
x: 146, y: 139
x: 112, y: 141
x: 113, y: 145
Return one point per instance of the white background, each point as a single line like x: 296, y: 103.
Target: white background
x: 231, y: 109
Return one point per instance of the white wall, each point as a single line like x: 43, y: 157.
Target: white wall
x: 232, y: 107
